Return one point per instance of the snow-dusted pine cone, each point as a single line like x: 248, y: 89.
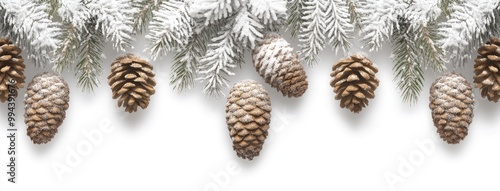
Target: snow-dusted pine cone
x: 487, y: 70
x: 11, y: 67
x: 277, y: 63
x: 132, y: 80
x: 354, y: 82
x: 452, y: 105
x: 45, y: 103
x: 248, y: 114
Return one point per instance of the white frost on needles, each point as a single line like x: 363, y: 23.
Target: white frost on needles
x: 379, y: 20
x: 73, y: 12
x: 469, y: 24
x: 170, y: 28
x: 421, y: 12
x: 29, y: 25
x: 114, y: 17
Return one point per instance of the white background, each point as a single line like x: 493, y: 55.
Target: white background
x: 181, y: 140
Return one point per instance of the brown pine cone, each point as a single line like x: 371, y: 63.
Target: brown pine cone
x: 276, y: 62
x: 452, y: 105
x: 132, y: 80
x: 45, y: 103
x: 486, y: 70
x: 11, y: 67
x: 248, y: 114
x: 354, y: 82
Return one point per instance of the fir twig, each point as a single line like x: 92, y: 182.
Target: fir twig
x: 294, y: 21
x: 312, y: 34
x: 170, y: 28
x: 408, y: 73
x: 355, y: 16
x: 144, y: 13
x: 66, y: 52
x: 89, y: 68
x: 338, y: 27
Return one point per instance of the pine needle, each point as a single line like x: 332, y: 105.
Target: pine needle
x: 89, y: 68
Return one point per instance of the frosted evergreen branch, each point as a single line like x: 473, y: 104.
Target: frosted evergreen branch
x: 222, y: 56
x: 66, y: 52
x: 186, y: 61
x: 89, y: 68
x: 247, y: 28
x: 339, y: 28
x: 379, y: 21
x: 470, y: 24
x: 312, y: 32
x: 144, y: 13
x: 30, y: 26
x: 422, y: 12
x: 431, y: 54
x: 445, y: 5
x: 407, y: 72
x: 73, y: 12
x: 212, y: 11
x: 170, y: 28
x: 354, y: 14
x: 114, y: 18
x: 269, y: 12
x: 294, y: 21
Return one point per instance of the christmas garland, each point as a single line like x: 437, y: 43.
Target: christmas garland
x: 209, y: 39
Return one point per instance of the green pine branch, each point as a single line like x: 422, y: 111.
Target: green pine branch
x: 408, y: 73
x: 432, y: 55
x: 89, y: 68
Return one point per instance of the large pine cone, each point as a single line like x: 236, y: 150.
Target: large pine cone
x: 276, y: 62
x: 354, y: 82
x: 45, y: 103
x: 452, y: 105
x: 487, y: 70
x: 248, y: 114
x: 132, y: 80
x: 11, y: 67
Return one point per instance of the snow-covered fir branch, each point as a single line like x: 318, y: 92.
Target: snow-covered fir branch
x: 115, y: 20
x: 88, y: 68
x: 339, y: 29
x: 379, y: 20
x: 239, y: 26
x: 320, y: 23
x: 223, y: 55
x: 470, y: 24
x: 30, y: 26
x: 170, y: 28
x: 312, y: 31
x: 408, y: 72
x: 144, y: 13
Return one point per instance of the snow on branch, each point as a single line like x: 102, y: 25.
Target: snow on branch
x: 379, y: 20
x: 339, y: 28
x: 470, y: 23
x: 247, y: 28
x: 29, y: 25
x: 223, y: 55
x: 170, y: 28
x: 268, y: 11
x: 115, y: 19
x: 312, y: 31
x: 211, y: 11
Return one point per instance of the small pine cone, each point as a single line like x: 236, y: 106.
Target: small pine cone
x: 276, y: 62
x: 11, y: 67
x: 132, y: 80
x: 354, y: 82
x: 452, y: 105
x: 248, y: 114
x: 487, y: 70
x: 45, y: 103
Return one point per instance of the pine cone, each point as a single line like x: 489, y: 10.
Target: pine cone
x: 132, y: 79
x: 279, y: 66
x: 452, y: 105
x: 354, y: 82
x: 248, y: 114
x: 486, y: 70
x: 11, y: 67
x: 45, y: 104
